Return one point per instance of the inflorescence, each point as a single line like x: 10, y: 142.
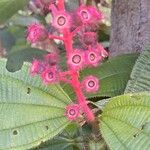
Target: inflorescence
x: 79, y: 24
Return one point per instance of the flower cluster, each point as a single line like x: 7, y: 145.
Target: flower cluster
x: 79, y: 24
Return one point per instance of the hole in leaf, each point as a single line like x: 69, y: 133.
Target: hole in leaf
x: 135, y: 135
x: 15, y: 132
x: 145, y: 126
x: 28, y: 90
x: 46, y: 127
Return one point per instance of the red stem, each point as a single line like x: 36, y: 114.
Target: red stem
x: 75, y: 83
x: 80, y: 97
x: 68, y: 38
x: 61, y: 5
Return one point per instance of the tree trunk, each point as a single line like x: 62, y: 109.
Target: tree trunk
x: 130, y: 26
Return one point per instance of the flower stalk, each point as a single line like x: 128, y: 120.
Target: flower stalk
x: 90, y: 53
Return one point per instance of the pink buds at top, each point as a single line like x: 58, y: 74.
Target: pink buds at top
x: 72, y: 112
x: 61, y: 20
x: 76, y: 59
x: 36, y: 33
x: 37, y: 67
x: 90, y: 84
x: 89, y: 14
x: 92, y: 58
x: 50, y: 75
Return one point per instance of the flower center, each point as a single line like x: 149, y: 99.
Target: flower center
x: 50, y: 75
x: 61, y: 20
x: 72, y: 112
x: 91, y: 83
x: 84, y: 14
x: 92, y: 57
x: 76, y: 59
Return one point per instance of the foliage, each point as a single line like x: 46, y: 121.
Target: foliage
x: 13, y: 6
x: 140, y: 76
x: 19, y: 54
x: 125, y: 122
x: 31, y: 113
x: 34, y: 115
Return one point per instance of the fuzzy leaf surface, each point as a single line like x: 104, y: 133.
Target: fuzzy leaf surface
x: 30, y: 112
x: 140, y: 76
x: 9, y: 7
x: 125, y: 122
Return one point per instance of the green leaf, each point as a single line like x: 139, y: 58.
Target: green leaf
x: 9, y: 7
x: 140, y: 76
x: 125, y: 122
x: 20, y: 54
x: 113, y: 74
x: 31, y: 112
x: 20, y: 20
x: 6, y: 38
x: 68, y: 140
x: 101, y: 103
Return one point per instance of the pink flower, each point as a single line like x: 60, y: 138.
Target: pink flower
x: 90, y: 84
x: 37, y: 67
x: 93, y: 57
x: 76, y: 59
x: 36, y: 32
x: 72, y: 112
x: 89, y: 14
x: 61, y: 20
x: 50, y: 75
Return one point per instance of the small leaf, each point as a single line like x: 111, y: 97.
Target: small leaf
x: 140, y: 76
x: 125, y: 122
x: 20, y: 20
x: 20, y: 54
x: 31, y: 112
x: 9, y: 7
x: 6, y: 38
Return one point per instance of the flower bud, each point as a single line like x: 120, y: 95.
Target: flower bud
x: 72, y: 112
x: 61, y: 20
x: 89, y: 38
x: 89, y: 14
x: 50, y: 75
x: 37, y: 67
x: 43, y: 5
x: 36, y: 33
x: 92, y: 58
x: 76, y: 60
x: 51, y: 59
x: 90, y: 84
